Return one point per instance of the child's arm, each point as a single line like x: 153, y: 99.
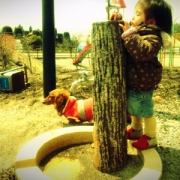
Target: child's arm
x: 128, y: 33
x: 142, y: 47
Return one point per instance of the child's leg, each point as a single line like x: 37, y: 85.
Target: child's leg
x: 148, y: 140
x: 135, y: 131
x: 150, y: 126
x: 136, y: 123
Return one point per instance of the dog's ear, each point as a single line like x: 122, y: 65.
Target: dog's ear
x: 60, y: 97
x: 58, y: 101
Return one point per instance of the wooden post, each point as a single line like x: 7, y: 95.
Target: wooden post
x: 108, y: 60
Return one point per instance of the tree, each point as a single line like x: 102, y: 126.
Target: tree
x: 55, y: 32
x: 26, y: 33
x: 176, y: 31
x: 59, y: 38
x: 30, y: 29
x: 37, y: 32
x: 77, y: 39
x: 108, y: 57
x: 7, y: 30
x: 177, y: 28
x: 68, y: 44
x: 33, y: 41
x: 67, y: 36
x: 88, y: 39
x: 7, y: 47
x: 19, y: 31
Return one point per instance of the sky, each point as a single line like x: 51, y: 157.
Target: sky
x: 73, y: 16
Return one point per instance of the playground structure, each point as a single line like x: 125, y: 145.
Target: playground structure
x: 171, y: 56
x: 168, y: 57
x: 83, y: 78
x: 85, y: 51
x: 77, y: 62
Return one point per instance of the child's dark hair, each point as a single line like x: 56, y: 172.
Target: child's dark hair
x: 160, y: 11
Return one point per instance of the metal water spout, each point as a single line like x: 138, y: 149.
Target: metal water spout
x: 80, y: 80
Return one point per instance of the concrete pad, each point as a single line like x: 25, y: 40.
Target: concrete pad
x: 39, y: 147
x: 29, y: 157
x: 147, y: 174
x: 153, y: 160
x: 30, y: 173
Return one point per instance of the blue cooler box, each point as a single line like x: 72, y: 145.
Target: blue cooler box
x: 12, y: 81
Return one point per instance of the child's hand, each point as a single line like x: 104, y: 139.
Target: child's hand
x: 125, y: 26
x: 115, y: 16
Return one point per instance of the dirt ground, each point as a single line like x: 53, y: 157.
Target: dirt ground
x: 23, y: 116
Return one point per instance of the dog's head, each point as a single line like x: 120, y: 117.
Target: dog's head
x: 58, y: 97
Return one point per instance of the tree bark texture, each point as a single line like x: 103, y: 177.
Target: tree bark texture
x: 108, y: 59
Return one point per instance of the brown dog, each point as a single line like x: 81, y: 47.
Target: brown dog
x: 74, y: 110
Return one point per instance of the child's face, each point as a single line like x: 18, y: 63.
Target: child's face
x: 138, y: 16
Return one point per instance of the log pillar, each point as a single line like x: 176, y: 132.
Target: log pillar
x: 108, y: 60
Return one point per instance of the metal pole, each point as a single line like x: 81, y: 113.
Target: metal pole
x: 48, y: 29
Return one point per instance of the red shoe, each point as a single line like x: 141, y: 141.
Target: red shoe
x: 145, y: 142
x: 134, y: 134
